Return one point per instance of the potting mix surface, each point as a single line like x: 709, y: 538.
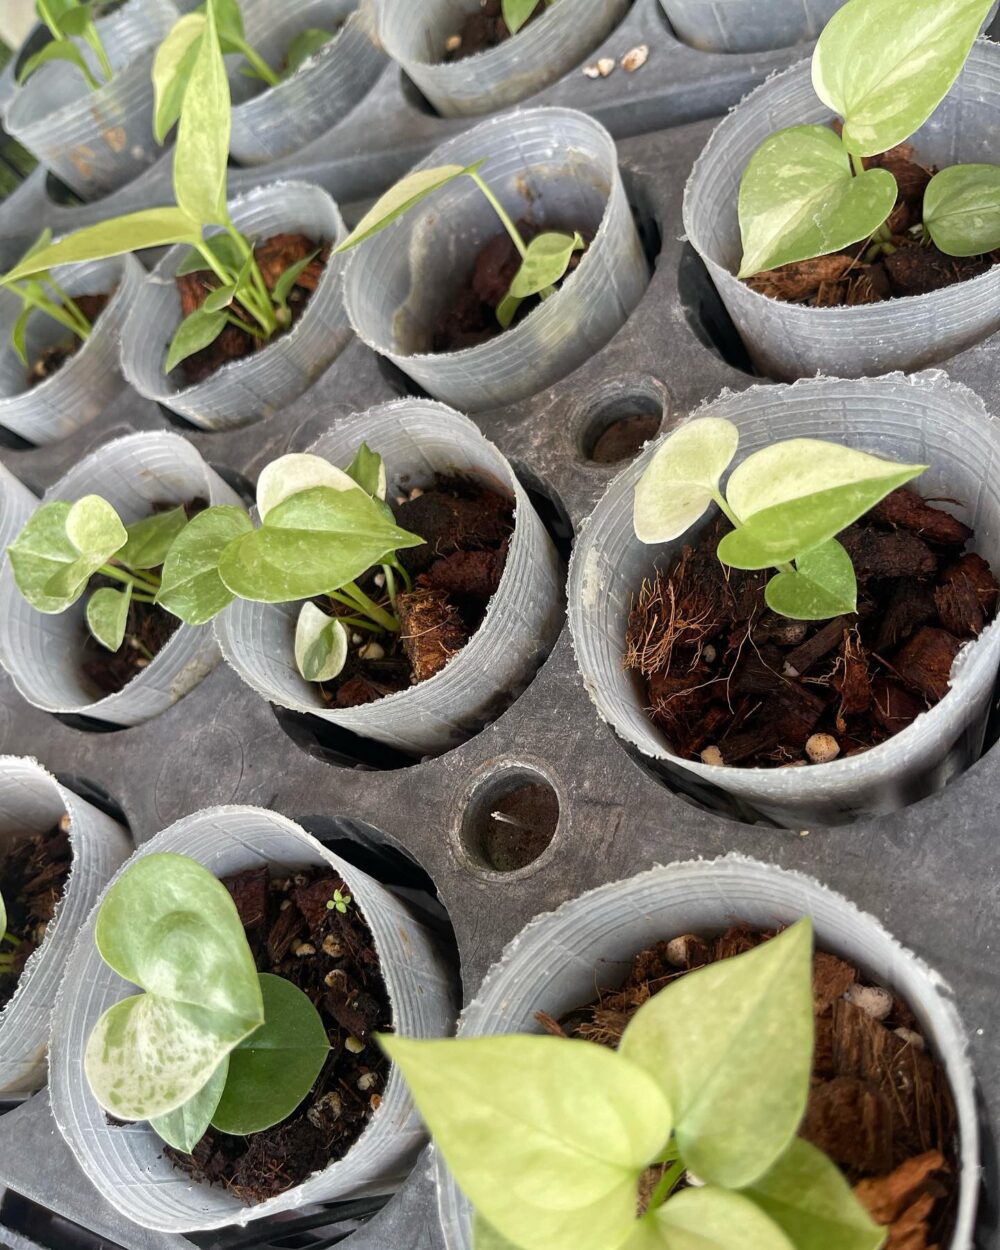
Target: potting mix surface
x: 33, y: 873
x: 51, y: 359
x: 484, y: 28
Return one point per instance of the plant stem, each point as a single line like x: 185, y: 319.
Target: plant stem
x: 6, y: 963
x: 666, y: 1185
x: 355, y: 621
x: 260, y: 66
x: 51, y: 309
x: 245, y: 325
x: 727, y: 512
x: 71, y: 306
x: 385, y: 619
x: 94, y: 39
x: 10, y: 937
x: 139, y: 596
x: 501, y: 212
x: 390, y: 584
x: 129, y: 579
x: 402, y: 571
x: 265, y: 314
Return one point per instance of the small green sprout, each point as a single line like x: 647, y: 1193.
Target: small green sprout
x: 339, y: 902
x: 786, y: 503
x: 66, y: 19
x: 883, y: 66
x: 43, y: 294
x: 516, y: 12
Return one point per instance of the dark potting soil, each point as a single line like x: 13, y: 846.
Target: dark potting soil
x: 147, y: 631
x: 880, y: 1105
x: 51, y: 359
x: 471, y: 317
x: 914, y: 268
x: 625, y: 438
x: 457, y: 570
x: 33, y: 872
x: 331, y: 956
x: 483, y: 28
x: 274, y: 256
x: 730, y: 682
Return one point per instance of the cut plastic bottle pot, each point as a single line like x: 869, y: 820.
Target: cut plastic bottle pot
x: 17, y: 503
x: 599, y: 933
x: 415, y: 36
x: 788, y: 341
x: 743, y: 26
x: 96, y: 141
x: 282, y: 119
x: 556, y: 167
x: 263, y: 383
x: 920, y: 420
x: 32, y: 801
x: 90, y: 379
x: 128, y: 1166
x: 417, y: 439
x: 42, y: 653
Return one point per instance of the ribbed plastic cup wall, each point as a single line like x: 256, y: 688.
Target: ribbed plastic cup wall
x: 17, y: 503
x: 596, y: 936
x: 42, y: 653
x: 925, y: 419
x: 747, y: 25
x: 127, y: 1164
x: 556, y: 167
x: 418, y: 439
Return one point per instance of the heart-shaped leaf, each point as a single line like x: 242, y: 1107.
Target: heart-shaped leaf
x: 320, y: 644
x: 50, y: 569
x: 885, y: 69
x: 107, y: 615
x: 175, y: 58
x: 545, y: 262
x: 305, y: 44
x: 520, y: 1120
x: 150, y: 539
x: 311, y: 543
x: 168, y: 926
x: 962, y: 209
x: 201, y: 152
x: 195, y: 332
x: 273, y: 1069
x: 822, y: 586
x: 95, y: 528
x: 190, y: 585
x: 709, y: 1219
x: 708, y: 1037
x: 184, y: 1128
x: 799, y: 199
x: 401, y: 198
x: 368, y: 470
x: 808, y: 1197
x: 298, y: 471
x: 682, y: 478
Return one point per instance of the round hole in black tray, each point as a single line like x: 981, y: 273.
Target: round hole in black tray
x: 706, y: 314
x: 509, y: 820
x: 615, y: 421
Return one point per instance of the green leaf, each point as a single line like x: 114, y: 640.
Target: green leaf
x: 885, y: 68
x: 305, y: 44
x: 962, y: 209
x: 229, y: 18
x: 402, y: 197
x: 222, y: 246
x: 292, y: 474
x: 195, y: 332
x: 486, y: 1237
x: 152, y: 227
x: 150, y: 539
x: 39, y: 552
x: 190, y: 585
x: 809, y: 1198
x: 107, y: 615
x: 273, y: 1069
x: 545, y: 262
x: 172, y: 69
x: 219, y: 298
x: 283, y: 287
x: 368, y: 470
x: 507, y: 309
x: 320, y: 644
x: 57, y: 50
x: 822, y: 586
x: 310, y: 544
x: 546, y: 1136
x: 94, y: 527
x: 184, y: 1128
x: 18, y: 335
x: 3, y: 917
x: 168, y: 926
x: 711, y: 1037
x: 800, y: 199
x: 682, y: 478
x: 517, y: 12
x: 708, y: 1219
x: 202, y: 148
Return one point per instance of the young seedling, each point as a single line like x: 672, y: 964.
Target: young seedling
x: 6, y: 938
x: 42, y: 293
x: 191, y: 89
x: 65, y: 20
x: 786, y: 503
x: 340, y: 902
x: 883, y: 66
x: 210, y: 1040
x: 516, y: 12
x: 711, y: 1080
x: 544, y: 261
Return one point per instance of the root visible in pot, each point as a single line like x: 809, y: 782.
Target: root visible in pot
x: 51, y: 359
x: 274, y: 256
x: 854, y: 276
x: 880, y: 1105
x: 483, y: 28
x: 470, y: 318
x: 331, y: 956
x: 730, y: 682
x: 33, y: 873
x: 456, y: 571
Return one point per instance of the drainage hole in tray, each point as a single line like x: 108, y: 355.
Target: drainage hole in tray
x: 509, y: 820
x: 707, y: 315
x: 614, y: 424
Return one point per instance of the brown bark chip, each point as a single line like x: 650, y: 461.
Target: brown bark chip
x: 431, y: 631
x: 893, y: 706
x: 831, y: 979
x: 851, y: 1123
x: 972, y: 566
x: 906, y: 509
x: 925, y: 662
x: 959, y: 608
